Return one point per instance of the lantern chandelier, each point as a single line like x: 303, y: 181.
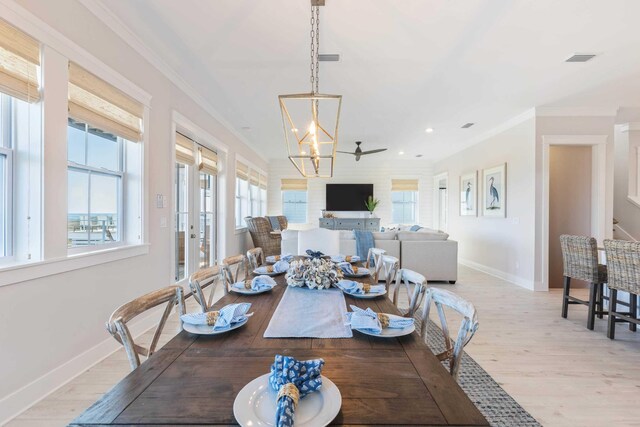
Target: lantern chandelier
x: 311, y: 139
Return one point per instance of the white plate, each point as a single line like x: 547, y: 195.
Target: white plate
x: 267, y: 274
x: 244, y: 291
x: 208, y: 330
x: 255, y: 405
x: 389, y: 332
x: 366, y: 296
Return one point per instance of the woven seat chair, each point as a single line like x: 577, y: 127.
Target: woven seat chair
x: 580, y: 262
x: 202, y: 279
x: 255, y: 257
x: 284, y: 223
x: 117, y: 323
x: 623, y: 262
x: 468, y: 326
x: 260, y: 230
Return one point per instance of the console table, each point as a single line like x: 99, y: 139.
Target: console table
x: 365, y: 224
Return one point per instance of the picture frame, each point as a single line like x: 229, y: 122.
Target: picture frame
x: 494, y: 191
x: 469, y: 194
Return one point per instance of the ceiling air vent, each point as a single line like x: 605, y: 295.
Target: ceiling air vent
x: 467, y: 125
x: 580, y: 57
x: 329, y: 57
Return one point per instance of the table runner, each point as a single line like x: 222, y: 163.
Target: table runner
x: 309, y: 313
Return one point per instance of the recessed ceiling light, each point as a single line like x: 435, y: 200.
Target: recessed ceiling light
x: 429, y: 130
x: 401, y: 152
x: 580, y: 57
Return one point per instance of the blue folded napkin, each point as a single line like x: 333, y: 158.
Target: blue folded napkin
x: 275, y: 258
x: 368, y: 320
x: 314, y: 254
x: 353, y: 287
x: 291, y: 377
x: 258, y: 283
x: 220, y: 320
x: 350, y: 269
x: 345, y: 258
x: 279, y: 267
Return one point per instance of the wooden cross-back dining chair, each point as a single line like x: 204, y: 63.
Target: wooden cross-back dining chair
x: 234, y: 269
x: 374, y: 260
x: 255, y: 258
x: 202, y: 279
x: 468, y: 326
x: 117, y: 323
x: 415, y: 285
x: 389, y: 267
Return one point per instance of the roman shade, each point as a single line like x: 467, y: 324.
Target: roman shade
x: 19, y: 63
x: 293, y: 184
x: 185, y: 152
x: 254, y: 178
x: 208, y: 161
x: 242, y: 171
x: 404, y: 185
x: 96, y: 102
x: 263, y: 182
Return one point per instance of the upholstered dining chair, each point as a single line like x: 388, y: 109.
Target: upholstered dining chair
x: 374, y: 261
x: 234, y: 269
x: 319, y: 239
x: 260, y: 230
x: 117, y: 323
x: 255, y: 258
x: 623, y: 263
x: 468, y: 326
x: 580, y: 262
x: 409, y: 279
x: 202, y: 279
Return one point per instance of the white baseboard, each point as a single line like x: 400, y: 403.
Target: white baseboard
x: 527, y: 284
x: 624, y: 233
x: 20, y: 400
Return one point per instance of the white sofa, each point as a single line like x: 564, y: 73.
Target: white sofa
x: 429, y: 252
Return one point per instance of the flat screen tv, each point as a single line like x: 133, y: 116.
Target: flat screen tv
x: 348, y: 197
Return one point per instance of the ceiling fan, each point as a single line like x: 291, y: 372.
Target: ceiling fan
x: 358, y: 153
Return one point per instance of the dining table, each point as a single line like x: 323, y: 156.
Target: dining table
x: 194, y: 379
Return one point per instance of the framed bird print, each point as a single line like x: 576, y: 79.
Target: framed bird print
x: 494, y: 191
x: 468, y: 194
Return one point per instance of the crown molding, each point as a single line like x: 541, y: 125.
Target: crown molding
x: 576, y: 112
x: 104, y: 14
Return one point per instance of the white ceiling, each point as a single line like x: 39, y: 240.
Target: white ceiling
x: 405, y: 64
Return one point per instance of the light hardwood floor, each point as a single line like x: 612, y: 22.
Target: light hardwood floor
x: 562, y: 373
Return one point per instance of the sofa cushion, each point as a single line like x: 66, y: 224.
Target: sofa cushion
x: 420, y: 235
x: 384, y: 235
x: 415, y: 228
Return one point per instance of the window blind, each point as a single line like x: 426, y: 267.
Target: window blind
x: 293, y: 184
x: 254, y: 178
x: 242, y: 171
x: 96, y: 102
x: 19, y: 63
x: 263, y: 182
x: 185, y: 152
x: 404, y: 185
x: 208, y: 161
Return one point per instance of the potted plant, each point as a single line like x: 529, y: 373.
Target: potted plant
x: 371, y: 204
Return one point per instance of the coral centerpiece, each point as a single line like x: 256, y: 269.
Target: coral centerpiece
x: 315, y: 273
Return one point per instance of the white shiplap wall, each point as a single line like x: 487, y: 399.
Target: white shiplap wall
x: 374, y: 170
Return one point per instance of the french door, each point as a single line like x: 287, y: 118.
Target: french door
x: 195, y: 220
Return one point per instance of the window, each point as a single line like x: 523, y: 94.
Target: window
x: 404, y: 206
x: 6, y: 187
x: 95, y: 179
x: 294, y: 206
x: 263, y: 202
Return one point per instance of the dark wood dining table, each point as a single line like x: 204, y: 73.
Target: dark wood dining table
x: 194, y: 379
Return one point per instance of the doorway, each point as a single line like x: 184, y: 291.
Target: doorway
x: 570, y: 191
x: 441, y: 201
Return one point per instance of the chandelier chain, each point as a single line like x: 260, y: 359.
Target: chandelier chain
x: 313, y: 49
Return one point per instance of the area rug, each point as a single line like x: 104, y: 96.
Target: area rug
x: 500, y: 409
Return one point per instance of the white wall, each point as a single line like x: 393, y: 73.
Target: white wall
x: 500, y: 246
x: 375, y: 169
x: 627, y: 213
x: 47, y: 322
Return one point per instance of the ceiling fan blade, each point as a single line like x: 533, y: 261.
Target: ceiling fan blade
x: 346, y: 152
x: 379, y: 150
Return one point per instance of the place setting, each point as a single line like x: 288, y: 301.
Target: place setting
x: 350, y: 270
x: 385, y: 325
x: 256, y: 285
x: 228, y: 318
x: 361, y: 290
x: 272, y: 259
x: 294, y: 392
x: 352, y: 259
x: 277, y: 268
